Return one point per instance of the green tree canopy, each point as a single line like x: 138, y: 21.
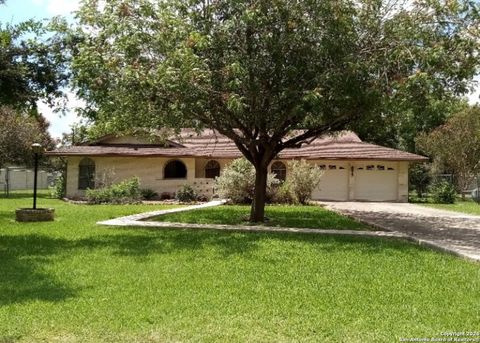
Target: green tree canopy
x: 18, y: 133
x: 270, y: 75
x: 33, y: 64
x: 455, y: 146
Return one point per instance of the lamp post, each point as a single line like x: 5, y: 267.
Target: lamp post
x: 37, y: 150
x: 35, y: 214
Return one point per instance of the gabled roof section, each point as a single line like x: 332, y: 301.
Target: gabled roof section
x: 344, y: 145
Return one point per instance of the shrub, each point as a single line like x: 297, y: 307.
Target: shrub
x: 237, y: 182
x: 186, y: 194
x: 125, y: 192
x: 302, y: 178
x: 443, y: 192
x: 60, y: 186
x: 148, y: 193
x: 284, y: 194
x: 166, y: 196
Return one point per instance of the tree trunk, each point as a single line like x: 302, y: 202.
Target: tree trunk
x: 257, y: 213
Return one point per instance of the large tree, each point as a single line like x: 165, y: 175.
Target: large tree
x: 33, y: 64
x: 269, y: 75
x: 33, y: 67
x: 455, y: 147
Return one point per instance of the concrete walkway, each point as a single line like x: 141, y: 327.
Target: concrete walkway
x: 445, y: 230
x: 136, y: 218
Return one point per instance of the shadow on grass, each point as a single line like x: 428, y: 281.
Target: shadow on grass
x: 21, y: 269
x: 26, y: 259
x: 150, y: 241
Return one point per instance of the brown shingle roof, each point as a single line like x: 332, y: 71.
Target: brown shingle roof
x: 343, y: 146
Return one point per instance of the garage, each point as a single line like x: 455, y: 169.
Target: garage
x: 334, y: 182
x: 376, y: 182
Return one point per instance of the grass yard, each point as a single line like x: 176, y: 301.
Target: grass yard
x: 468, y: 206
x: 73, y: 281
x: 279, y: 215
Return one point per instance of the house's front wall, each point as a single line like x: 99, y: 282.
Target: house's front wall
x: 341, y: 181
x: 149, y: 170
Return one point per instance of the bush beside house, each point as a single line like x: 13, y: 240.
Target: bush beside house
x: 125, y: 192
x: 186, y: 193
x: 237, y: 183
x: 302, y: 179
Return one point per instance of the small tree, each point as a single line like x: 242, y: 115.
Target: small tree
x: 456, y: 146
x: 303, y: 177
x: 17, y: 133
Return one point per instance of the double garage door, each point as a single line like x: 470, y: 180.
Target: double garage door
x: 370, y: 182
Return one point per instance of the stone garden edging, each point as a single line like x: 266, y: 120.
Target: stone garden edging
x: 138, y: 220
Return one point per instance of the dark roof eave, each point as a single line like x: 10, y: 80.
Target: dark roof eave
x: 113, y: 154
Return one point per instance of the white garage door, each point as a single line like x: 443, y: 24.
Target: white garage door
x: 376, y: 182
x: 334, y: 182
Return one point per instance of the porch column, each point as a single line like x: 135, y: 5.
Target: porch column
x: 351, y: 181
x: 402, y: 168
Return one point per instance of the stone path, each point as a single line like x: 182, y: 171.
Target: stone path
x: 136, y: 218
x: 450, y: 231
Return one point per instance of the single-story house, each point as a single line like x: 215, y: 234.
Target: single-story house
x: 354, y: 170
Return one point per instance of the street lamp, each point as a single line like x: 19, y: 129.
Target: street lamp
x: 37, y: 150
x: 35, y: 214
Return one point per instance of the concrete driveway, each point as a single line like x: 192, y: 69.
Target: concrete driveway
x: 447, y: 230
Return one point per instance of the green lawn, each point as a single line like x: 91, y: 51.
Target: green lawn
x: 286, y: 216
x: 467, y: 206
x: 73, y: 281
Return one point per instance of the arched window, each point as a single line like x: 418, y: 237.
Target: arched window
x: 212, y: 169
x: 175, y: 170
x: 86, y: 174
x: 280, y: 170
